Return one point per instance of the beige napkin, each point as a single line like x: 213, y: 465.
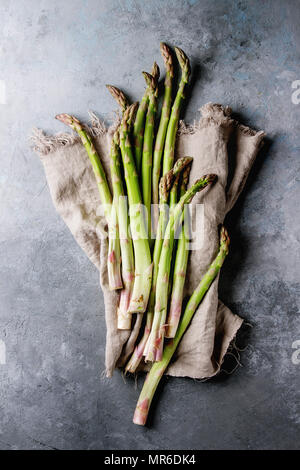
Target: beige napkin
x: 74, y: 193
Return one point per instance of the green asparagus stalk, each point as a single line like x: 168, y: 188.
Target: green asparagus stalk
x: 165, y: 186
x: 161, y: 300
x: 114, y: 259
x: 148, y: 147
x: 120, y: 203
x: 172, y: 203
x: 103, y: 187
x: 114, y: 251
x: 162, y: 129
x: 139, y: 124
x: 157, y: 370
x: 127, y: 266
x: 169, y: 150
x: 180, y: 267
x: 143, y: 263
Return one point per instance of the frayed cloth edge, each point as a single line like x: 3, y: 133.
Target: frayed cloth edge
x: 44, y: 144
x: 212, y: 114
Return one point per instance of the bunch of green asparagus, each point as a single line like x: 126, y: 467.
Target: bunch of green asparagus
x: 144, y: 210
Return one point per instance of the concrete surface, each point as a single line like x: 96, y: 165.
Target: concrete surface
x: 56, y: 56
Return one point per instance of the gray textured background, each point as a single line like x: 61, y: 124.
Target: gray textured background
x: 55, y: 57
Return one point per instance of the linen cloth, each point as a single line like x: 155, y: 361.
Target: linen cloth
x: 75, y: 195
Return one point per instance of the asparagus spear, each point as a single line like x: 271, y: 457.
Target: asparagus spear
x: 173, y: 202
x: 138, y: 129
x: 123, y: 317
x: 161, y: 301
x: 180, y: 268
x: 157, y: 370
x: 120, y: 203
x: 114, y: 259
x: 169, y: 150
x: 148, y: 147
x: 114, y: 252
x: 165, y: 186
x: 143, y: 263
x: 163, y: 125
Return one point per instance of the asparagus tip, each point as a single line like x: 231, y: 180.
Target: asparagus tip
x: 224, y: 239
x: 150, y: 81
x: 133, y: 109
x: 155, y: 72
x: 129, y: 114
x: 69, y: 120
x: 65, y: 118
x: 118, y: 95
x: 165, y: 185
x: 184, y: 63
x: 181, y: 164
x: 167, y: 56
x: 210, y: 178
x: 201, y: 183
